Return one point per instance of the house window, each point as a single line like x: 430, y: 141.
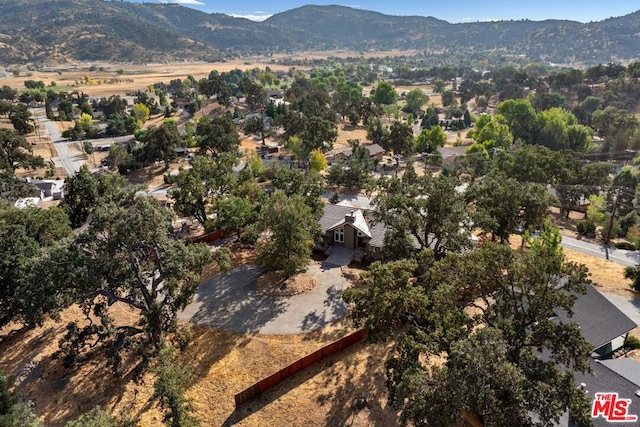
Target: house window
x: 338, y: 235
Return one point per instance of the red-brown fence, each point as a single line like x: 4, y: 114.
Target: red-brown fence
x: 208, y: 238
x: 284, y: 373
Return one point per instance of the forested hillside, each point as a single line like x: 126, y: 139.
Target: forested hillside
x: 61, y: 30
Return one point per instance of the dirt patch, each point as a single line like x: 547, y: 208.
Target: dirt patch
x: 272, y: 285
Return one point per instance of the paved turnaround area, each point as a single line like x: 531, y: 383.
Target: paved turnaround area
x: 230, y: 301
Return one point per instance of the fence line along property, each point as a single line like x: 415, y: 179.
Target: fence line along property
x: 297, y: 366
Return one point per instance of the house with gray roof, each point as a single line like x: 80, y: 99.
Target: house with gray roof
x: 353, y: 229
x: 605, y: 327
x: 619, y: 376
x: 602, y: 324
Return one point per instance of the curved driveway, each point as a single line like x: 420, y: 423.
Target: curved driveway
x: 230, y: 301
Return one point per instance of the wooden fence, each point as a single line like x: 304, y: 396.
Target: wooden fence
x: 284, y: 373
x: 208, y: 238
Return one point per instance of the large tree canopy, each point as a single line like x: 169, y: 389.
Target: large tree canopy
x: 427, y: 212
x: 470, y: 331
x: 128, y: 256
x: 16, y: 152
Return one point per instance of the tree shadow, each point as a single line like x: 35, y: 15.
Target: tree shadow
x: 231, y: 302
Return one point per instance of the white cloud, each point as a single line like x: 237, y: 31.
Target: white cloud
x: 258, y: 16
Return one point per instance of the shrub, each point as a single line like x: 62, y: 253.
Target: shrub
x: 586, y: 228
x: 625, y: 245
x: 632, y: 342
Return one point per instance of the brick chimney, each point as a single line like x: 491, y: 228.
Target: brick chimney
x: 350, y: 218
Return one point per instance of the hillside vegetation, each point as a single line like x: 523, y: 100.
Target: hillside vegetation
x: 62, y: 30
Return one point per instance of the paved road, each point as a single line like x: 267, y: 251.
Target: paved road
x: 620, y: 256
x: 66, y: 159
x: 230, y: 301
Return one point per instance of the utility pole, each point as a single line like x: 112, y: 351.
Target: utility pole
x: 613, y: 217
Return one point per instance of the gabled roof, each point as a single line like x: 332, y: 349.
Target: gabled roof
x: 358, y: 222
x: 334, y: 216
x: 600, y: 321
x: 331, y: 215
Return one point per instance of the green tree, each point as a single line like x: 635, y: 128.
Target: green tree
x: 234, y: 213
x: 429, y: 140
x: 118, y: 156
x: 13, y: 412
x: 292, y: 230
x: 81, y: 196
x: 487, y: 314
x: 16, y: 152
x: 160, y: 143
x: 317, y: 161
x: 27, y: 234
x: 198, y: 187
x: 8, y: 93
x: 255, y: 94
x: 617, y: 127
x: 171, y: 379
x: 127, y: 255
x: 140, y: 112
x: 554, y: 126
x: 217, y: 135
x: 429, y: 210
x: 448, y: 98
x: 385, y: 94
x: 400, y: 139
x: 100, y: 418
x: 416, y: 99
x: 494, y: 134
x: 520, y: 116
x: 504, y: 205
x: 355, y: 172
x: 256, y: 125
x: 20, y: 118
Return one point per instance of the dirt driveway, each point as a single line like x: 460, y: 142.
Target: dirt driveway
x: 231, y: 302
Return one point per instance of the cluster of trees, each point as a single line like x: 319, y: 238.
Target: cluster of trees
x: 125, y: 254
x: 289, y: 210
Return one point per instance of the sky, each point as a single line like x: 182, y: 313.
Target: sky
x: 459, y: 11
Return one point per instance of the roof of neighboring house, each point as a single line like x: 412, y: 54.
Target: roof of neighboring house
x: 48, y: 184
x: 605, y: 380
x: 373, y: 149
x: 378, y: 231
x: 453, y: 151
x: 626, y: 367
x: 599, y: 320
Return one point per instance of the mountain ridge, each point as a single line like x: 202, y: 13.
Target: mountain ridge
x: 41, y: 31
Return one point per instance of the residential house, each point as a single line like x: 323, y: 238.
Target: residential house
x: 605, y: 327
x: 375, y: 152
x: 53, y: 188
x: 353, y: 229
x: 451, y: 154
x: 602, y: 324
x: 619, y: 376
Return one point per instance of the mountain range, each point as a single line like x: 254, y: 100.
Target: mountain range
x: 57, y: 31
